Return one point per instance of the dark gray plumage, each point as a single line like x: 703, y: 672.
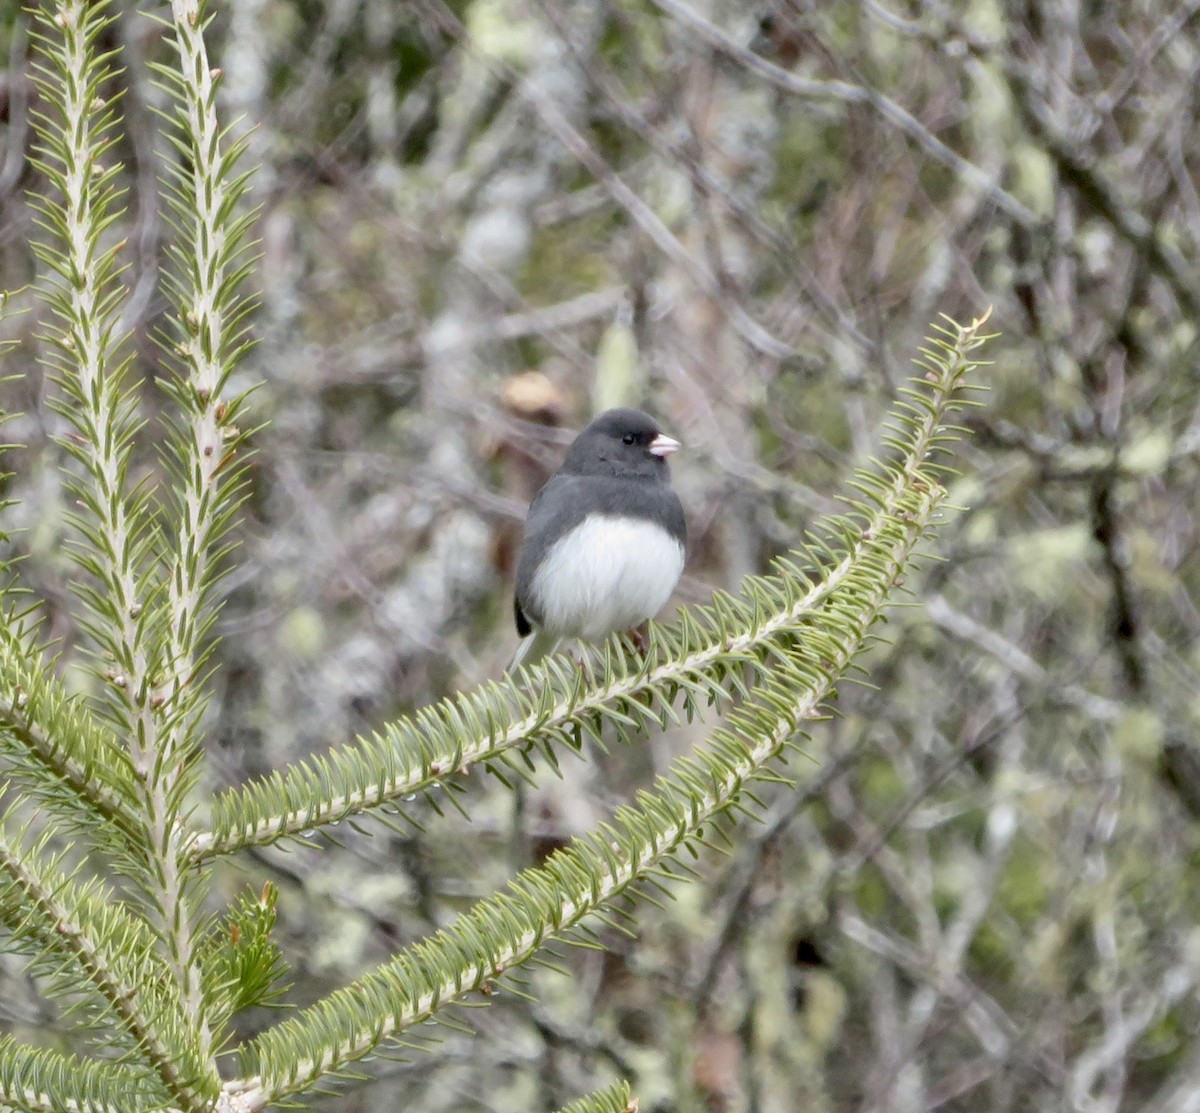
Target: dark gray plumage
x: 604, y: 538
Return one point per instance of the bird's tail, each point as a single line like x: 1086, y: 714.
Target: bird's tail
x: 533, y: 649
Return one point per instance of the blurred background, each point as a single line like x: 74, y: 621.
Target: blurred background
x: 482, y: 222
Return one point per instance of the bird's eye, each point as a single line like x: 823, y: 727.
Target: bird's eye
x: 629, y: 438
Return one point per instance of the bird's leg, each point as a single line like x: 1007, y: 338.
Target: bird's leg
x: 635, y: 639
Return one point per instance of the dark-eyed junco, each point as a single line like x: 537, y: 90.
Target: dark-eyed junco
x: 604, y: 538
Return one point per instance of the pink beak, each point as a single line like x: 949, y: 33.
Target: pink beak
x: 663, y: 446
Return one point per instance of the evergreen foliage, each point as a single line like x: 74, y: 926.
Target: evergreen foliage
x: 106, y: 898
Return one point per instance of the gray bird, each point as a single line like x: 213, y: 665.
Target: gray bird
x: 604, y: 538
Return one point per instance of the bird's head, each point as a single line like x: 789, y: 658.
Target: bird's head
x: 621, y: 442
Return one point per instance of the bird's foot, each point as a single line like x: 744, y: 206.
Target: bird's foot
x: 637, y: 640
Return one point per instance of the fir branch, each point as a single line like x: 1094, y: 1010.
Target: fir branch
x: 697, y: 660
x: 243, y: 964
x: 55, y: 917
x: 203, y: 194
x: 783, y: 690
x: 124, y: 600
x: 60, y: 753
x: 612, y: 1099
x: 204, y: 290
x: 42, y: 1080
x: 551, y: 901
x: 208, y: 258
x: 76, y: 153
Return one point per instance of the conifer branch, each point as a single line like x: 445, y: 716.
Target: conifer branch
x: 490, y: 724
x: 125, y: 603
x: 63, y: 756
x: 785, y: 685
x: 612, y: 1099
x: 76, y: 154
x: 556, y: 702
x: 419, y: 755
x: 204, y: 194
x: 41, y: 1080
x: 57, y: 917
x: 550, y: 902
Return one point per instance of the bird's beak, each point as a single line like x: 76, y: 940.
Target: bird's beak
x: 662, y: 445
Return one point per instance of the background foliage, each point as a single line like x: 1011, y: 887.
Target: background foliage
x: 481, y: 222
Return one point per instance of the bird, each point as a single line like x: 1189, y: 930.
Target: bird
x: 604, y: 539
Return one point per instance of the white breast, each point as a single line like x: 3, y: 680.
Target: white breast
x: 607, y: 574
